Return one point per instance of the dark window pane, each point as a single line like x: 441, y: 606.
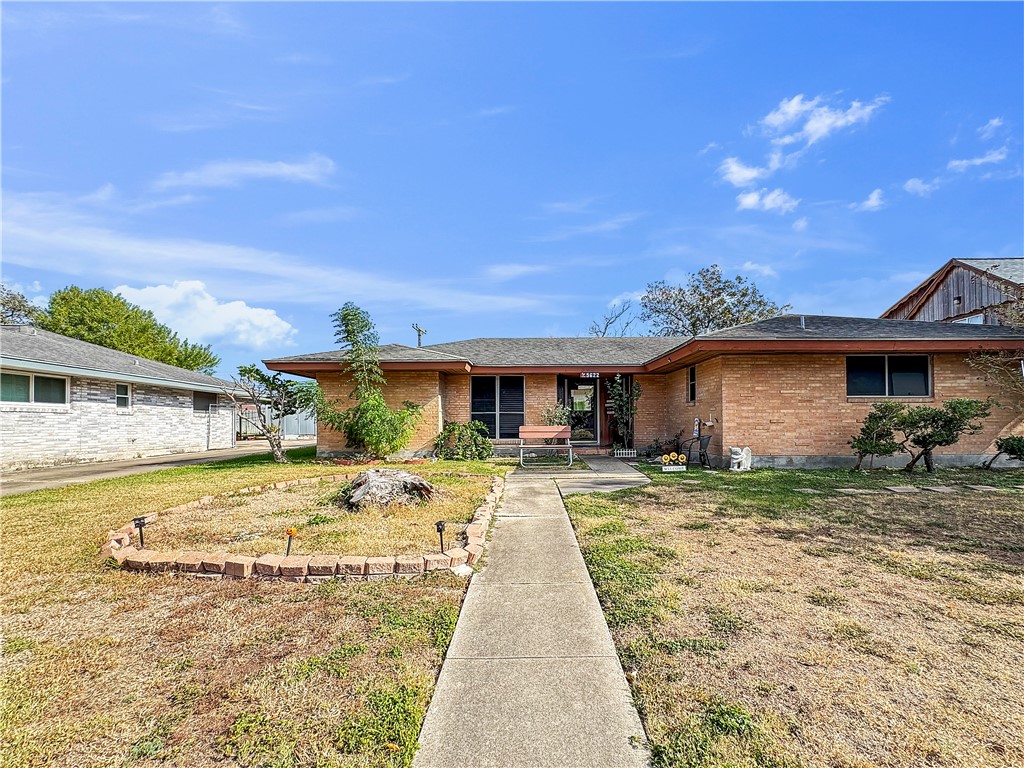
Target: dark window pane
x: 488, y: 420
x: 510, y: 424
x: 14, y: 388
x: 908, y: 375
x: 203, y: 401
x: 692, y: 394
x: 483, y: 394
x: 512, y: 399
x: 865, y: 375
x: 49, y: 390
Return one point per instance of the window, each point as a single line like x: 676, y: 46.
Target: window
x: 975, y: 319
x: 29, y: 388
x: 204, y: 402
x: 887, y: 376
x: 123, y: 395
x: 500, y: 403
x: 691, y: 388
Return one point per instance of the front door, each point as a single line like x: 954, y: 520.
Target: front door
x: 581, y: 397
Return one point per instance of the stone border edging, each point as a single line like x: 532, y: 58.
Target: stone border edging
x: 308, y: 569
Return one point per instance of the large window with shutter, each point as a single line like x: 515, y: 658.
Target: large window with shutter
x: 500, y: 403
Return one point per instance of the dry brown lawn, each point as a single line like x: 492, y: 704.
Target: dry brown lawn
x: 107, y: 668
x: 874, y: 630
x: 254, y: 524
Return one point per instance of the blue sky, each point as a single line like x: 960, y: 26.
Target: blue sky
x: 499, y: 169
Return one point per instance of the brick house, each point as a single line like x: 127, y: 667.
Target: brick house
x: 63, y: 400
x: 963, y: 291
x: 794, y: 388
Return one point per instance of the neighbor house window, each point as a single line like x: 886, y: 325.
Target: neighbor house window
x: 887, y: 376
x: 500, y: 403
x: 29, y: 388
x: 691, y: 386
x: 123, y: 395
x: 203, y: 402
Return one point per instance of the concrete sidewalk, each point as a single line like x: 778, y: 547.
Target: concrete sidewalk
x: 43, y: 478
x: 531, y: 679
x: 607, y: 474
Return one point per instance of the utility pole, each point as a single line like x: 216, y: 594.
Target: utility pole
x: 419, y: 334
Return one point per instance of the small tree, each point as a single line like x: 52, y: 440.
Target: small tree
x: 623, y: 398
x: 15, y: 309
x: 274, y: 397
x: 463, y: 442
x: 556, y: 415
x: 925, y: 428
x: 1011, y: 445
x: 369, y: 426
x: 706, y: 303
x: 877, y: 435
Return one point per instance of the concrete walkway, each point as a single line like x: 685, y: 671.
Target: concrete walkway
x: 531, y: 679
x: 26, y: 480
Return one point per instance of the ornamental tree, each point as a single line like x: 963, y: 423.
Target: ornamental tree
x: 267, y: 399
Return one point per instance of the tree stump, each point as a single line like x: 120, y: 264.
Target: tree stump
x: 380, y: 487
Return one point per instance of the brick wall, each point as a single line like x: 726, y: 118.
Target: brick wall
x: 796, y: 405
x: 91, y: 427
x: 420, y: 387
x: 541, y: 393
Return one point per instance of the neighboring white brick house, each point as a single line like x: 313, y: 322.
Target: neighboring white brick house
x: 63, y: 401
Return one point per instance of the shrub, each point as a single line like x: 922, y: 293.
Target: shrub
x: 556, y: 415
x: 926, y: 428
x: 461, y: 442
x: 1011, y: 445
x: 877, y: 435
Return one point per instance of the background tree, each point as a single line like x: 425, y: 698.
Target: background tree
x: 1005, y: 368
x: 616, y: 322
x: 369, y: 425
x: 101, y: 317
x: 707, y: 302
x: 273, y: 396
x: 15, y: 309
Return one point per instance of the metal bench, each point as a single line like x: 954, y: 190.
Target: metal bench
x: 541, y: 434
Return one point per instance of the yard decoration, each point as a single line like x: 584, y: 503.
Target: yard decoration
x: 387, y: 486
x: 292, y: 533
x: 673, y: 462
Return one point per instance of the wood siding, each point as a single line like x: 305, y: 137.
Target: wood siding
x: 977, y: 292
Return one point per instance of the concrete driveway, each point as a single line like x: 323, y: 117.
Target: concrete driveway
x: 26, y: 480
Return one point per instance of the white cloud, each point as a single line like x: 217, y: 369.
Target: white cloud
x: 711, y: 145
x: 570, y: 206
x: 874, y: 202
x: 995, y: 156
x: 191, y: 311
x: 503, y: 109
x: 626, y: 296
x: 801, y: 224
x: 108, y: 198
x: 512, y: 271
x: 988, y: 130
x: 315, y: 169
x: 740, y: 175
x: 51, y: 232
x: 607, y: 226
x: 763, y: 200
x: 323, y: 215
x: 761, y: 269
x: 920, y: 187
x: 814, y: 119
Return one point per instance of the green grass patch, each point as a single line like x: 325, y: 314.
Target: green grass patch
x: 388, y: 727
x: 825, y: 598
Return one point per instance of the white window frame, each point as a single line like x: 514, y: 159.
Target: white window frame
x: 929, y: 381
x: 128, y: 406
x: 32, y: 390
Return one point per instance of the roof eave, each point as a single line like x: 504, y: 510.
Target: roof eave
x: 37, y: 366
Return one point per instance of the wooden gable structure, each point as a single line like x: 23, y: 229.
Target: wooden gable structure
x: 963, y: 291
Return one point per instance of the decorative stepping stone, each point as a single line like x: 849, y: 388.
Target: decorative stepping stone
x: 855, y: 491
x: 689, y: 482
x: 902, y: 489
x: 982, y: 487
x: 807, y: 490
x: 710, y: 471
x: 938, y: 488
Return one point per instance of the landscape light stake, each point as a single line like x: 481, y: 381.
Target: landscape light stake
x: 140, y: 523
x: 291, y: 532
x: 439, y: 525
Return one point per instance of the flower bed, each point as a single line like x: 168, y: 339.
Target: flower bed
x: 310, y: 568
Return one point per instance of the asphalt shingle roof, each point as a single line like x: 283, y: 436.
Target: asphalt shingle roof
x: 827, y: 328
x: 638, y: 350
x: 26, y: 344
x: 1008, y: 269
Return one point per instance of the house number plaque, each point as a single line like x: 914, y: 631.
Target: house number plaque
x: 590, y: 375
